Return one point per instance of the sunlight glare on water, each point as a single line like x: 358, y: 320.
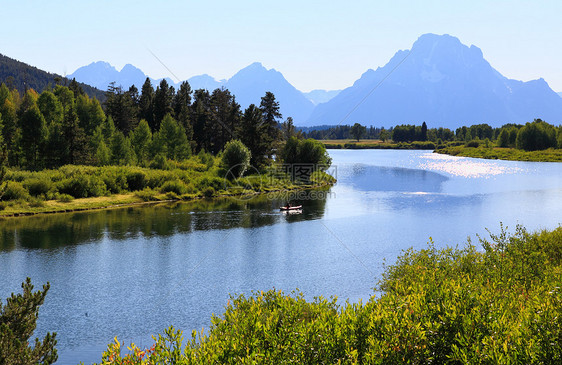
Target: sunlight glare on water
x: 464, y: 166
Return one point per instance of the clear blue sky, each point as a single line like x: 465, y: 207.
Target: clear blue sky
x: 315, y: 44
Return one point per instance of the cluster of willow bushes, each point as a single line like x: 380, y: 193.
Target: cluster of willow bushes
x: 191, y: 177
x: 199, y: 176
x: 457, y: 306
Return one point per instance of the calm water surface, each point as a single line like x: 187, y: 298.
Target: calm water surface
x: 133, y: 272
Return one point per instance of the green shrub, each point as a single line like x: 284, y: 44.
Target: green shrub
x: 160, y: 162
x: 36, y: 202
x: 136, y: 180
x: 170, y: 195
x: 82, y: 186
x: 146, y: 195
x: 235, y: 159
x: 115, y: 180
x: 175, y: 186
x: 38, y: 187
x: 14, y: 191
x: 422, y: 145
x: 158, y: 177
x: 216, y: 183
x: 75, y: 186
x: 64, y: 198
x: 209, y: 192
x: 207, y: 159
x: 192, y: 164
x: 473, y: 143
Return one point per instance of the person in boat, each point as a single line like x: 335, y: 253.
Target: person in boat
x: 288, y: 205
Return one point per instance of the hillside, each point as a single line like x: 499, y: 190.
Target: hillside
x: 21, y: 76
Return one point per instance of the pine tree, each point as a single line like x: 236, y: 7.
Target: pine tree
x: 182, y: 108
x: 162, y: 102
x: 75, y: 138
x: 18, y: 320
x: 201, y: 116
x: 76, y: 88
x: 271, y: 116
x: 288, y: 129
x: 251, y: 134
x: 424, y: 132
x: 146, y: 101
x: 221, y: 103
x: 120, y: 106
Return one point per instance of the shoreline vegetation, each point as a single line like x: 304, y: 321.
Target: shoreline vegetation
x: 503, y: 153
x: 490, y: 153
x: 377, y: 145
x: 79, y: 188
x: 61, y: 150
x: 536, y: 141
x: 465, y: 305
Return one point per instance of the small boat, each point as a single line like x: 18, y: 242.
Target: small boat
x: 295, y: 207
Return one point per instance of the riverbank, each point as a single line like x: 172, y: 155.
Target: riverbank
x: 376, y: 144
x: 497, y: 153
x: 491, y: 153
x: 21, y: 209
x: 78, y: 188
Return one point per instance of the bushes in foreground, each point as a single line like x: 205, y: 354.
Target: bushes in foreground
x: 18, y: 320
x: 457, y: 306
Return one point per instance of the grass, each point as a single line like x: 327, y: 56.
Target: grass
x: 497, y: 153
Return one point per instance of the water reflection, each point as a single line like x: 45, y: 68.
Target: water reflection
x: 162, y: 220
x: 377, y: 178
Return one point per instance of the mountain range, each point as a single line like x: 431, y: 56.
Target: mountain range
x: 248, y: 85
x: 439, y: 80
x: 444, y: 83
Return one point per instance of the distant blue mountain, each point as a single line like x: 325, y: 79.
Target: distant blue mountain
x: 100, y: 74
x: 248, y: 85
x: 444, y: 83
x: 204, y: 82
x: 439, y: 81
x: 252, y: 82
x: 321, y: 96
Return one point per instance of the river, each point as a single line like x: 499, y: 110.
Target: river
x: 132, y: 272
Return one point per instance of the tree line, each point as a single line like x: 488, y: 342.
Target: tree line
x: 536, y: 135
x: 63, y: 125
